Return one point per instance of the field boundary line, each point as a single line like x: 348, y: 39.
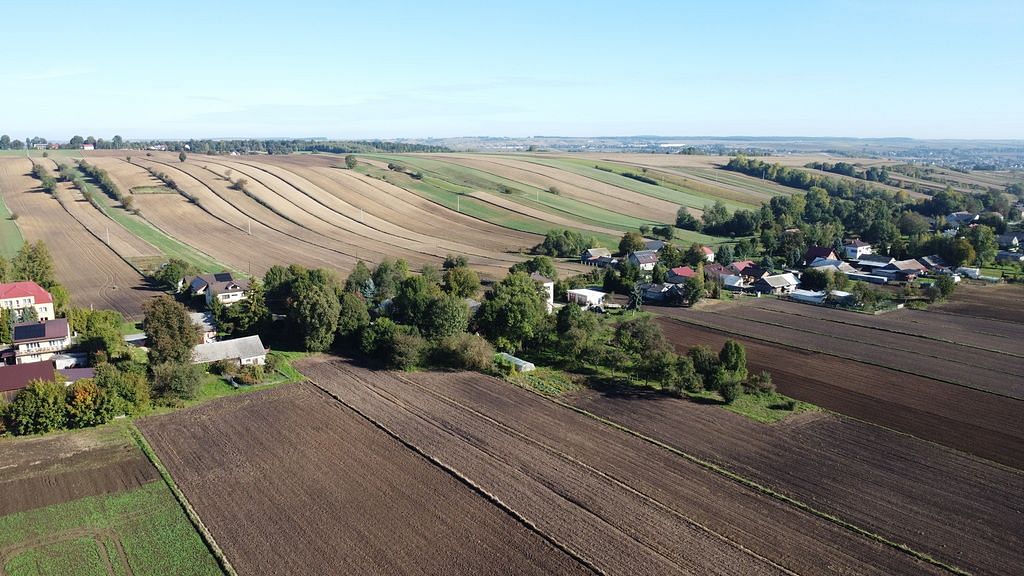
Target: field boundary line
x: 193, y: 516
x: 466, y: 481
x: 924, y: 557
x: 558, y: 453
x: 834, y: 355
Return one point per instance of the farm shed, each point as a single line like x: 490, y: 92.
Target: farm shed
x: 520, y: 364
x: 586, y: 297
x: 204, y: 322
x: 777, y: 284
x: 248, y: 350
x: 808, y: 296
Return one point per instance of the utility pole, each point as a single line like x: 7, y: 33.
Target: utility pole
x: 249, y: 226
x: 458, y: 207
x: 108, y: 236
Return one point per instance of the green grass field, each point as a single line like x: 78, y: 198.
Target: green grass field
x: 670, y: 193
x: 452, y: 197
x: 144, y: 528
x: 170, y: 247
x: 10, y: 234
x: 472, y: 179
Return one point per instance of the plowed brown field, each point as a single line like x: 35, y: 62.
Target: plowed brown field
x: 37, y: 472
x: 984, y: 424
x: 961, y: 510
x: 290, y: 481
x: 624, y: 504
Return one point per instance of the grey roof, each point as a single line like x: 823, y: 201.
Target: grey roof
x: 204, y: 320
x: 876, y: 258
x: 645, y: 256
x: 591, y: 253
x: 652, y: 244
x: 780, y: 280
x: 235, y: 349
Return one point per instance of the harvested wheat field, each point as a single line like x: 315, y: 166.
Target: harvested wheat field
x: 976, y: 422
x: 625, y: 505
x: 961, y: 510
x: 293, y: 467
x: 93, y: 273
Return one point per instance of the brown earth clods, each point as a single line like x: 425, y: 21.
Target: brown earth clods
x: 624, y: 504
x: 961, y: 510
x: 37, y: 472
x: 290, y: 481
x: 976, y: 422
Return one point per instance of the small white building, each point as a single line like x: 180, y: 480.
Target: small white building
x: 547, y: 289
x: 245, y: 351
x: 520, y: 364
x: 585, y: 297
x: 644, y: 259
x: 854, y: 249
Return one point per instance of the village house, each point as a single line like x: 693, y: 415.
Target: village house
x: 826, y: 265
x: 957, y: 219
x: 652, y: 244
x: 776, y: 284
x: 606, y: 262
x: 221, y: 286
x: 38, y: 341
x: 19, y: 296
x: 14, y: 378
x: 1007, y: 256
x: 680, y: 274
x: 815, y: 252
x: 585, y: 297
x: 869, y: 262
x: 1009, y: 241
x: 901, y: 270
x: 658, y: 293
x: 709, y: 254
x: 644, y: 259
x: 748, y: 270
x: 244, y: 351
x: 934, y: 263
x: 590, y: 256
x: 855, y: 248
x: 206, y: 326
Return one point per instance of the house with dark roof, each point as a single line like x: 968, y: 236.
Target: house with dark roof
x: 644, y: 259
x: 869, y: 262
x: 20, y: 296
x: 1009, y: 241
x: 933, y: 263
x: 222, y: 286
x: 14, y: 378
x: 815, y: 252
x: 957, y: 219
x: 38, y: 341
x: 652, y: 244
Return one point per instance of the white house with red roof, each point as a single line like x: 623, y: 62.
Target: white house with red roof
x: 18, y: 296
x: 709, y: 254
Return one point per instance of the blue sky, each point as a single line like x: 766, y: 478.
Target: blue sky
x: 420, y: 69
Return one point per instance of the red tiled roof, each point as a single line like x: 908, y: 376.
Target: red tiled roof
x: 684, y: 271
x: 741, y: 265
x: 706, y: 250
x: 23, y: 290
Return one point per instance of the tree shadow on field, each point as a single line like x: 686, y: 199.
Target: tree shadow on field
x: 616, y: 389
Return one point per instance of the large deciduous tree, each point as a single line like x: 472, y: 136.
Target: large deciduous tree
x: 170, y: 333
x: 513, y: 313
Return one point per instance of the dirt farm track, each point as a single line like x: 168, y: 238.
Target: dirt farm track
x: 548, y: 489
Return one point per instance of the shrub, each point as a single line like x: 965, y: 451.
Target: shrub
x: 463, y: 351
x: 407, y: 349
x: 760, y: 384
x: 250, y: 375
x: 224, y: 368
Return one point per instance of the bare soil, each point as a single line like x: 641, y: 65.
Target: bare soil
x: 290, y: 481
x: 976, y: 422
x: 959, y: 509
x: 37, y: 472
x: 625, y: 504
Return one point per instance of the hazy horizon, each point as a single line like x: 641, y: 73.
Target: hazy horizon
x: 940, y: 70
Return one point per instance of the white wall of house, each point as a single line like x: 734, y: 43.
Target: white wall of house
x: 40, y: 351
x: 855, y: 252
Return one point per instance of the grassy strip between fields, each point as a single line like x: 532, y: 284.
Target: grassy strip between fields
x: 924, y: 557
x: 443, y: 193
x: 204, y: 532
x: 10, y: 235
